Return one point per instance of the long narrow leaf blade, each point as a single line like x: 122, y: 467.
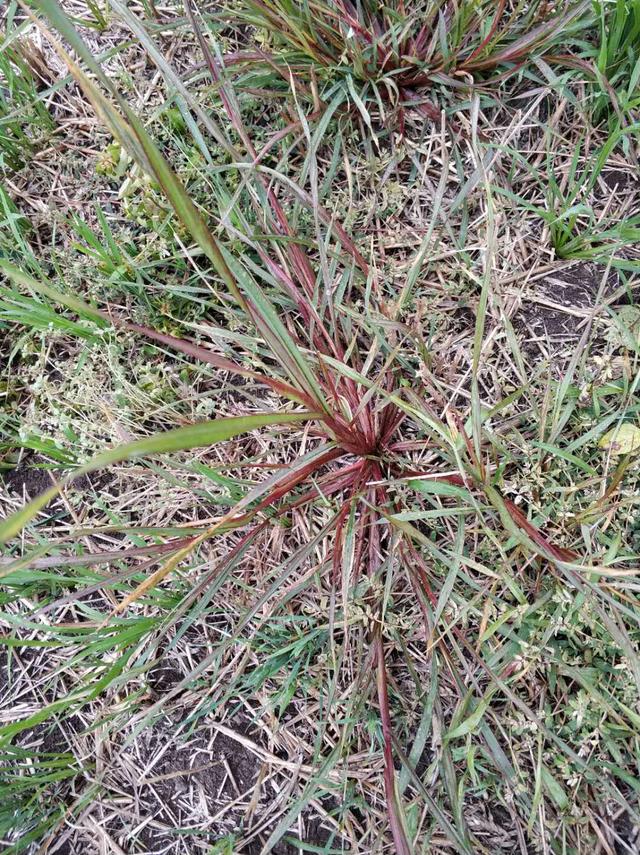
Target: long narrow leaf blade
x: 179, y: 439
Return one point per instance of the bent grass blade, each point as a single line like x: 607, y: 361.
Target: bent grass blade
x: 179, y: 439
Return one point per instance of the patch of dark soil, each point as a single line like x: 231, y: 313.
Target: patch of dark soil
x: 554, y: 313
x: 464, y: 319
x: 96, y: 600
x: 163, y: 677
x: 205, y: 782
x: 627, y: 838
x: 313, y: 834
x: 623, y: 827
x: 181, y: 784
x: 26, y: 478
x: 31, y: 477
x: 66, y: 847
x: 493, y: 825
x: 48, y: 738
x: 311, y: 831
x: 618, y: 179
x: 165, y: 673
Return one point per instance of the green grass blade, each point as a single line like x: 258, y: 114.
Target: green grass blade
x: 180, y: 439
x: 79, y: 306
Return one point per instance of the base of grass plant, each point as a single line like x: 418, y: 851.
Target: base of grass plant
x: 23, y: 115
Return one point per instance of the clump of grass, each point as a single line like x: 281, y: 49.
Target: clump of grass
x: 28, y: 782
x: 565, y: 196
x: 385, y: 503
x: 374, y: 54
x: 617, y: 93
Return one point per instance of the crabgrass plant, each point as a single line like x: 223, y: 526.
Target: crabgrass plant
x: 394, y: 504
x: 580, y: 222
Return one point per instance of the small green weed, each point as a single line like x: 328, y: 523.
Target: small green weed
x: 577, y: 225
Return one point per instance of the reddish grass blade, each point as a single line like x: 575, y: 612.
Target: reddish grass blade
x: 402, y: 846
x: 491, y: 33
x: 201, y: 353
x: 558, y: 552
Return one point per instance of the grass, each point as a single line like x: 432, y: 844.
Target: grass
x: 617, y: 62
x: 400, y: 55
x: 570, y: 195
x: 366, y: 518
x: 25, y: 121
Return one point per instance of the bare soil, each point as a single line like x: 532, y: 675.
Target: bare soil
x: 557, y: 307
